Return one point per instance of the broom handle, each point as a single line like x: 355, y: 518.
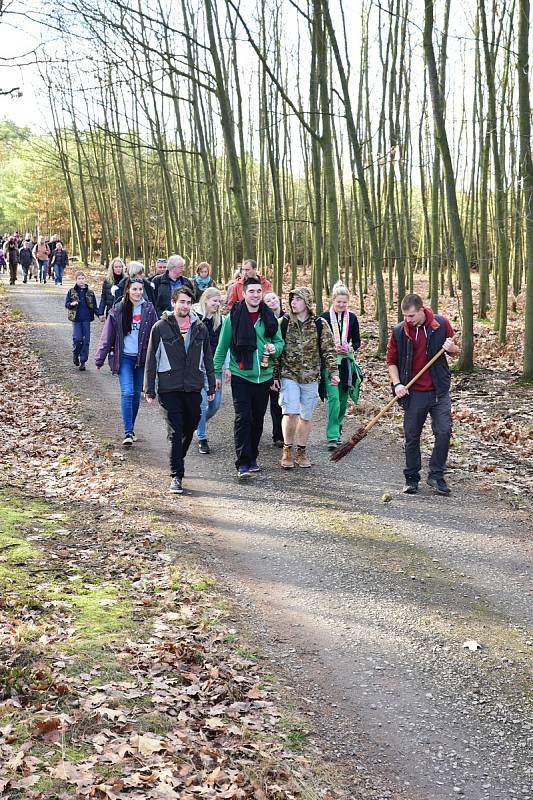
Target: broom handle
x: 390, y: 404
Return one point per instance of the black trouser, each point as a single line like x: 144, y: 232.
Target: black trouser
x: 277, y: 415
x: 440, y: 409
x: 250, y: 402
x: 183, y: 415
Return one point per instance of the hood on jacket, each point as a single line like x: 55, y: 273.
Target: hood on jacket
x: 194, y: 317
x: 430, y: 322
x: 306, y: 295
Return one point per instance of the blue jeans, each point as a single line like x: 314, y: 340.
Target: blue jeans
x: 81, y: 338
x: 43, y: 269
x: 58, y: 274
x: 131, y: 384
x: 208, y: 409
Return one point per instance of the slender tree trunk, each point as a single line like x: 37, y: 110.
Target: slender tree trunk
x: 526, y: 172
x: 466, y: 359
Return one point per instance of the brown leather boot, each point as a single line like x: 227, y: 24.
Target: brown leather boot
x: 287, y: 461
x: 301, y: 458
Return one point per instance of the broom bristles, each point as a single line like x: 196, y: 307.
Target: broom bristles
x: 343, y: 449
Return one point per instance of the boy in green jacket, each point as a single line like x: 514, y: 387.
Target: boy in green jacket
x: 252, y: 335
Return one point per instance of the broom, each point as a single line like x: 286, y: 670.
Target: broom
x: 343, y: 449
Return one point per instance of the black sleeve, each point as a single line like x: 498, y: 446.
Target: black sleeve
x: 355, y: 338
x: 150, y: 367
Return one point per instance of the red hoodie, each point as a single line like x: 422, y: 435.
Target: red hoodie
x: 419, y: 339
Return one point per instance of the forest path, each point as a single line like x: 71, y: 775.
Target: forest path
x: 362, y: 605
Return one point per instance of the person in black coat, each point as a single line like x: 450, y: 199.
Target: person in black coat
x: 115, y: 274
x: 166, y: 284
x: 273, y: 302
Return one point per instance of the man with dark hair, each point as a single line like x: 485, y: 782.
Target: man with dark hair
x: 252, y: 335
x: 412, y: 344
x: 178, y: 360
x: 248, y: 270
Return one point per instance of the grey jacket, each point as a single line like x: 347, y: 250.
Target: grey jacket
x: 177, y: 363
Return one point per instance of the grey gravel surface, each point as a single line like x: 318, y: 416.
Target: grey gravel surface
x: 362, y: 605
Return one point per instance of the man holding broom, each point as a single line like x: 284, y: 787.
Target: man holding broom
x: 413, y: 343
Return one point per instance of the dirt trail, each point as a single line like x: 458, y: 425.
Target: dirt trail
x: 363, y: 605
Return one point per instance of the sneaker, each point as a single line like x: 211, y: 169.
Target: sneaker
x: 203, y: 447
x: 301, y: 458
x: 411, y: 486
x: 244, y: 472
x: 175, y: 486
x: 440, y: 485
x: 254, y: 466
x: 332, y: 445
x: 287, y: 460
x: 75, y: 360
x: 82, y: 366
x: 133, y: 437
x: 127, y: 440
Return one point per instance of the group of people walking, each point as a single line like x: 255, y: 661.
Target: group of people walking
x: 38, y: 258
x: 165, y: 335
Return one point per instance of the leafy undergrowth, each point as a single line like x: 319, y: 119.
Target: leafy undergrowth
x: 120, y: 678
x: 41, y: 436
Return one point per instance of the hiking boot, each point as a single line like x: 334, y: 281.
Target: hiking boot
x: 287, y: 460
x: 82, y: 366
x: 127, y: 440
x: 411, y: 486
x: 254, y: 466
x: 175, y: 486
x: 203, y: 447
x: 75, y: 360
x: 244, y: 472
x: 301, y: 458
x: 440, y: 486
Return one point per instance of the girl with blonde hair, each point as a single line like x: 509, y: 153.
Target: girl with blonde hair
x: 345, y: 328
x: 211, y: 317
x: 114, y: 275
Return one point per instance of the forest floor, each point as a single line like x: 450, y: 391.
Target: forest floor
x: 297, y: 637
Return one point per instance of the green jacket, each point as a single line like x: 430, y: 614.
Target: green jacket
x: 256, y: 374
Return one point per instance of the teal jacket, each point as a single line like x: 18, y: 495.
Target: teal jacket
x: 256, y: 374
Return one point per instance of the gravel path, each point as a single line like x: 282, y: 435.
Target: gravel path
x: 364, y: 606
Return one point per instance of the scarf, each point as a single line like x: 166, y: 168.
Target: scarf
x: 340, y: 333
x: 202, y: 283
x: 243, y: 335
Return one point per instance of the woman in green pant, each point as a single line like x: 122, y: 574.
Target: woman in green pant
x: 345, y: 328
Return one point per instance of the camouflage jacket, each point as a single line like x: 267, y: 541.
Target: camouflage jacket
x: 300, y: 359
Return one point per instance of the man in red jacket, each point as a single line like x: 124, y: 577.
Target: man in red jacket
x: 412, y: 344
x: 248, y: 270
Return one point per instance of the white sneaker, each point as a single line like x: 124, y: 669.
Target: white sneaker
x: 127, y: 440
